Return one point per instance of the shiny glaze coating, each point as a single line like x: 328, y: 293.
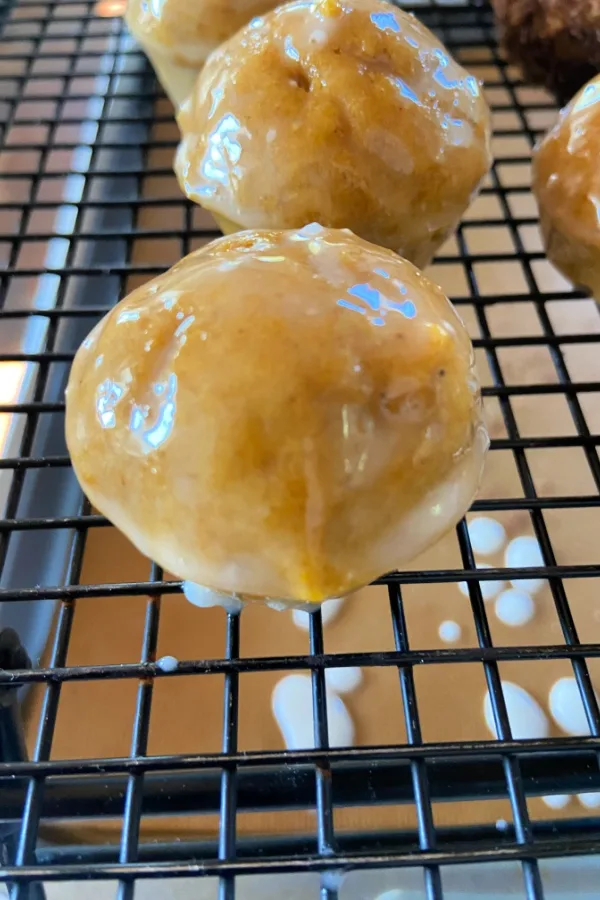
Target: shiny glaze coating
x: 566, y: 182
x: 346, y: 112
x: 281, y: 415
x: 178, y: 35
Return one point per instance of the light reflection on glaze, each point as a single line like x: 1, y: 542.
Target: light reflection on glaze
x: 128, y: 315
x: 230, y: 264
x: 290, y: 50
x: 107, y: 396
x: 181, y: 329
x: 386, y: 21
x: 589, y: 96
x: 376, y: 302
x: 170, y: 298
x: 460, y: 132
x: 309, y: 231
x: 442, y: 79
x: 472, y: 85
x: 163, y: 428
x: 223, y: 151
x: 138, y: 414
x: 216, y: 95
x: 405, y: 91
x: 155, y: 436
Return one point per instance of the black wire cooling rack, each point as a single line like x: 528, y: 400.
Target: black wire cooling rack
x: 81, y: 140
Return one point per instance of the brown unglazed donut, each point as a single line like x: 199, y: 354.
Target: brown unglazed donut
x: 555, y: 42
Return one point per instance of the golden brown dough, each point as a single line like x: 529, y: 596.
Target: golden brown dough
x: 566, y: 182
x: 178, y: 35
x: 351, y: 114
x: 281, y: 415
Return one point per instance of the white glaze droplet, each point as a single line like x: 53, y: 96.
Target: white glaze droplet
x: 167, y: 663
x: 528, y: 720
x: 590, y: 799
x: 277, y: 605
x: 566, y: 707
x: 282, y: 605
x: 332, y: 879
x: 394, y: 894
x: 344, y: 679
x: 203, y: 597
x: 487, y: 535
x: 514, y: 607
x: 329, y: 611
x: 449, y: 631
x: 489, y: 589
x: 340, y: 726
x: 557, y: 801
x: 291, y: 703
x: 523, y: 553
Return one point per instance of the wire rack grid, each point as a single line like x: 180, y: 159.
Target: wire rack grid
x: 80, y: 134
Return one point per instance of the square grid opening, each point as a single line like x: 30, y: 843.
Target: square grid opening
x: 90, y: 209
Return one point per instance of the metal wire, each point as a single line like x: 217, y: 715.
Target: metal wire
x: 89, y: 260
